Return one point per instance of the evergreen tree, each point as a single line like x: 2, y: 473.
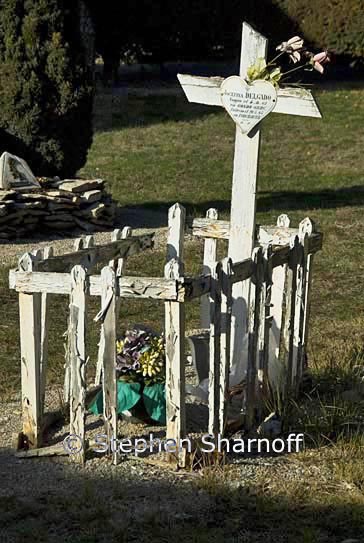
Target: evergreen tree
x: 46, y: 84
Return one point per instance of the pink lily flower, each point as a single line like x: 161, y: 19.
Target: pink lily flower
x: 320, y: 59
x: 293, y: 47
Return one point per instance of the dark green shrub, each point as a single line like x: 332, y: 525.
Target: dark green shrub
x: 46, y: 84
x: 337, y: 25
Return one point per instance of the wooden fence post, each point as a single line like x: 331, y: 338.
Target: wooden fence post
x: 253, y: 323
x: 304, y: 275
x: 117, y: 234
x: 288, y: 351
x: 118, y: 266
x: 215, y: 346
x: 276, y: 372
x: 108, y: 317
x: 226, y: 308
x: 209, y: 260
x: 175, y: 331
x: 30, y: 347
x: 264, y: 326
x: 79, y: 244
x: 47, y: 253
x: 77, y: 338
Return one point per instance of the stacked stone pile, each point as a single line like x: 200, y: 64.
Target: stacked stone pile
x: 56, y: 206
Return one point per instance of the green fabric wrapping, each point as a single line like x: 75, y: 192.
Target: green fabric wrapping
x: 129, y: 394
x: 154, y: 398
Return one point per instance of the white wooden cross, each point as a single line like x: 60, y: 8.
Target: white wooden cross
x: 292, y: 101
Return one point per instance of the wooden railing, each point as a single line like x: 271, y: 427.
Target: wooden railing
x: 279, y: 274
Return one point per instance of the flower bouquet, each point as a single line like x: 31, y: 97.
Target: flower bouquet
x: 140, y: 369
x: 299, y: 55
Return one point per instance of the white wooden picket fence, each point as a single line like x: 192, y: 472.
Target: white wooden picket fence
x: 279, y: 274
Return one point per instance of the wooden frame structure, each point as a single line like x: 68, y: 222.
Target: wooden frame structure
x: 282, y: 254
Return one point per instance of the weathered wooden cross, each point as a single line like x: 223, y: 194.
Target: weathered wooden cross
x: 216, y: 91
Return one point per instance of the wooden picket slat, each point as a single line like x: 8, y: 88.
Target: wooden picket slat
x: 107, y: 352
x: 118, y: 234
x: 47, y: 253
x: 117, y: 265
x: 224, y: 278
x: 209, y: 260
x: 298, y: 316
x: 265, y: 321
x: 30, y: 347
x: 308, y: 228
x: 215, y: 346
x: 175, y: 332
x: 77, y: 339
x: 276, y: 372
x: 253, y: 334
x: 287, y: 355
x: 30, y: 307
x: 79, y: 245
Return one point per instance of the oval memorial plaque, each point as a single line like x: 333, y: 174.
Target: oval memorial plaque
x: 247, y: 103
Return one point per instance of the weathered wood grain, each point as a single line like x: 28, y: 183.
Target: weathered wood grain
x: 46, y: 253
x: 225, y: 347
x: 209, y: 260
x: 157, y: 288
x: 175, y: 332
x: 30, y: 346
x: 88, y: 258
x: 117, y: 265
x: 253, y: 335
x: 49, y: 451
x: 108, y: 353
x: 30, y: 306
x: 304, y: 229
x: 300, y: 309
x: 288, y: 350
x: 276, y: 371
x: 210, y: 227
x: 274, y: 235
x: 215, y: 346
x: 77, y: 338
x: 265, y: 321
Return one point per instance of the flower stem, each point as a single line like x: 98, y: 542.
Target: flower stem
x: 297, y: 68
x: 275, y: 58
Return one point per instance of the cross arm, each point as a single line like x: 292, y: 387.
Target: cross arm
x: 291, y: 100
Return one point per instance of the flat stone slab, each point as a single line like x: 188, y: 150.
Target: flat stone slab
x: 6, y: 195
x: 79, y: 185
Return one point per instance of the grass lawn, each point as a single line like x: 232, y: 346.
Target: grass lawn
x: 157, y: 151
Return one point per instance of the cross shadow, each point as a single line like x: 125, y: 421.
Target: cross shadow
x: 156, y: 213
